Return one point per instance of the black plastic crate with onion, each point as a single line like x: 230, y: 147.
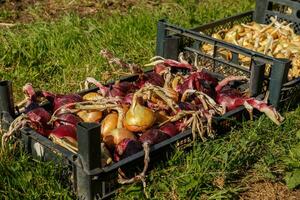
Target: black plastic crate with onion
x: 212, y: 45
x: 90, y: 179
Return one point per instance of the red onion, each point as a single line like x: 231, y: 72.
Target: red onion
x: 39, y: 119
x: 64, y: 131
x: 150, y: 77
x: 153, y: 136
x: 66, y: 119
x: 200, y: 81
x: 59, y: 100
x: 122, y: 89
x: 169, y: 129
x: 231, y: 98
x: 159, y: 68
x: 126, y: 148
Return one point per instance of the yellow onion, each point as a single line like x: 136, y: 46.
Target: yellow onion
x: 90, y: 115
x: 138, y: 118
x: 92, y: 96
x: 116, y: 136
x: 109, y: 123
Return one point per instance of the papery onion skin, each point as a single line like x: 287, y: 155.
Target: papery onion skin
x: 138, y: 118
x: 150, y: 77
x: 39, y: 119
x: 126, y: 148
x: 92, y: 96
x: 108, y: 124
x: 65, y: 131
x: 116, y: 136
x: 169, y: 129
x: 153, y: 136
x: 90, y: 115
x: 67, y: 119
x: 59, y: 100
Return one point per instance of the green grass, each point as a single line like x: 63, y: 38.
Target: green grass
x: 58, y: 54
x: 258, y: 149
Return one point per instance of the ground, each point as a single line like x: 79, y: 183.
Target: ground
x: 56, y: 44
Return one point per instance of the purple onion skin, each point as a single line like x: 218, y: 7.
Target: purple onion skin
x: 128, y: 98
x: 67, y: 119
x: 65, y: 131
x: 169, y: 129
x: 121, y: 89
x: 58, y: 100
x: 39, y: 119
x: 153, y: 136
x: 200, y: 81
x: 126, y: 148
x: 152, y: 78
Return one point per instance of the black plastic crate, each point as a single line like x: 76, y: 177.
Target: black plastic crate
x: 89, y: 179
x: 171, y: 40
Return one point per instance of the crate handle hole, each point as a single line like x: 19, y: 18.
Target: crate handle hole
x: 298, y: 14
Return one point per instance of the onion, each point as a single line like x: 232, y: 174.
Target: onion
x: 108, y: 124
x: 90, y: 115
x: 65, y: 131
x: 91, y: 96
x: 66, y: 119
x: 126, y: 148
x: 153, y: 136
x: 116, y: 136
x: 169, y: 129
x: 138, y: 118
x: 39, y: 119
x: 150, y: 77
x: 58, y: 100
x: 159, y: 68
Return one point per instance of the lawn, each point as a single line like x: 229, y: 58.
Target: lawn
x: 55, y: 45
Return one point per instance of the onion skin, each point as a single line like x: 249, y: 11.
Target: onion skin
x: 128, y: 98
x: 201, y: 81
x: 169, y: 129
x: 59, y: 100
x: 159, y: 68
x: 108, y: 124
x: 39, y: 119
x: 65, y: 131
x: 90, y: 115
x: 121, y: 89
x: 126, y: 148
x: 32, y: 97
x: 153, y: 136
x: 150, y: 77
x: 138, y: 118
x: 116, y: 136
x: 91, y: 96
x: 67, y: 119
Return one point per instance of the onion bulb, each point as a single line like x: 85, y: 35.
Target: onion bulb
x: 90, y: 115
x: 92, y: 96
x: 109, y: 123
x: 138, y: 118
x: 116, y: 136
